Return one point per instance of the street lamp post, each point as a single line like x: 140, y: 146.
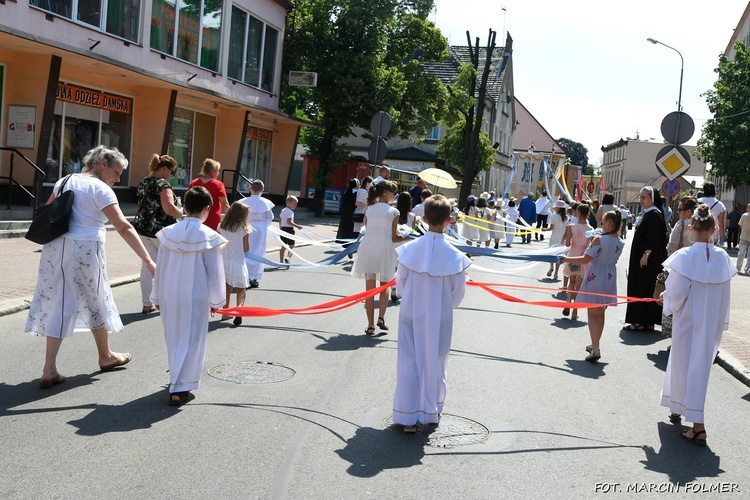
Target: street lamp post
x: 682, y: 68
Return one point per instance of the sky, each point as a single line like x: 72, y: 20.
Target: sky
x: 584, y: 68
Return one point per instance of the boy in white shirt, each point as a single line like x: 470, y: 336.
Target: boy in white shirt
x: 287, y: 224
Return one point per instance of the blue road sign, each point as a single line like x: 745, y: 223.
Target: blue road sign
x: 671, y: 188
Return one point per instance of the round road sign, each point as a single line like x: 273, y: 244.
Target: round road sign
x: 677, y: 127
x: 671, y: 188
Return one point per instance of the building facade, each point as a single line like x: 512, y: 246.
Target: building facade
x: 630, y: 164
x: 192, y: 79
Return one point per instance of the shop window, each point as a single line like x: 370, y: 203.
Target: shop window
x: 253, y: 47
x: 198, y: 34
x: 83, y: 119
x: 191, y: 142
x: 116, y: 17
x: 256, y: 158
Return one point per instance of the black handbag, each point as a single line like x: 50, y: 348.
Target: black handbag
x: 358, y: 218
x: 53, y: 220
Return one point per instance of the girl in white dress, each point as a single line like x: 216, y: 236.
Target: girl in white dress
x: 376, y: 259
x: 557, y: 227
x: 235, y: 228
x: 361, y: 202
x: 698, y: 295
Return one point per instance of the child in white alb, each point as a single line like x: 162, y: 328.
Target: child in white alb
x: 431, y: 281
x: 188, y: 285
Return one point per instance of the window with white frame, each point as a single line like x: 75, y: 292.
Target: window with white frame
x: 253, y: 46
x: 434, y: 134
x: 116, y: 17
x: 188, y: 29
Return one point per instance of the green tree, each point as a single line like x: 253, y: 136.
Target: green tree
x: 454, y: 146
x: 363, y: 52
x: 725, y: 139
x: 576, y: 151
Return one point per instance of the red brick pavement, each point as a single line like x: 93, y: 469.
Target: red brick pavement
x: 21, y: 260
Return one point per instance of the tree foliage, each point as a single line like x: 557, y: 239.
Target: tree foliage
x: 577, y: 152
x: 363, y: 54
x: 725, y: 139
x: 454, y: 145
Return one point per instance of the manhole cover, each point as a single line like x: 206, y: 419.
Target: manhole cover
x: 252, y: 372
x: 452, y: 431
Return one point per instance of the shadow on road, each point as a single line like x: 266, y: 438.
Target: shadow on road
x: 140, y: 413
x: 371, y: 451
x: 586, y: 369
x: 12, y: 396
x: 640, y: 338
x: 347, y: 342
x: 659, y: 359
x: 681, y: 460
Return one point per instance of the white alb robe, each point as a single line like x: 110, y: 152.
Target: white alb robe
x: 260, y: 218
x: 697, y: 294
x: 189, y: 280
x: 431, y: 282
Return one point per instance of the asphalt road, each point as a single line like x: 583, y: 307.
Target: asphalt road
x: 548, y: 424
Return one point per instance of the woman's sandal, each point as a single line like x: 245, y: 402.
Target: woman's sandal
x: 633, y: 328
x: 370, y: 330
x: 589, y: 348
x: 594, y: 355
x: 566, y: 311
x: 381, y: 324
x: 410, y: 429
x: 574, y: 316
x: 694, y: 439
x: 675, y: 418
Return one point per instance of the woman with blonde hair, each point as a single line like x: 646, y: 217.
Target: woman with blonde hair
x: 72, y: 291
x: 158, y: 207
x: 209, y: 179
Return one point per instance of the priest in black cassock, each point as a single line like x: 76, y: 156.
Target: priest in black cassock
x: 646, y: 256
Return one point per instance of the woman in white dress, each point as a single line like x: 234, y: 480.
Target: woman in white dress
x: 376, y: 259
x: 698, y: 295
x: 72, y: 291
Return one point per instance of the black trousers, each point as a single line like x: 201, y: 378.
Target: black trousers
x: 541, y: 221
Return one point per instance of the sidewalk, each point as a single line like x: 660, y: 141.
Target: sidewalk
x: 21, y: 260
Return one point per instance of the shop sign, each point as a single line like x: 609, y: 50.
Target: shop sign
x: 94, y: 98
x: 259, y: 134
x: 21, y: 127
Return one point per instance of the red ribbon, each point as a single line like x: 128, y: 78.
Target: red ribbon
x: 357, y: 298
x: 326, y: 307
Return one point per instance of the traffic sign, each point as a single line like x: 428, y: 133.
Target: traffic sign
x: 671, y: 188
x: 377, y: 150
x: 380, y: 124
x: 677, y: 127
x: 672, y: 161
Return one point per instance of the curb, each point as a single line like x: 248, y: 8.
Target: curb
x: 732, y: 366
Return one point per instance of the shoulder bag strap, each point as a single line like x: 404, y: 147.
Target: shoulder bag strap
x: 62, y: 185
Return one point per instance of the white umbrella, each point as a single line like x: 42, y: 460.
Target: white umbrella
x: 438, y: 178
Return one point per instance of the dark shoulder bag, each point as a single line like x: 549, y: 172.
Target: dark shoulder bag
x: 53, y: 220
